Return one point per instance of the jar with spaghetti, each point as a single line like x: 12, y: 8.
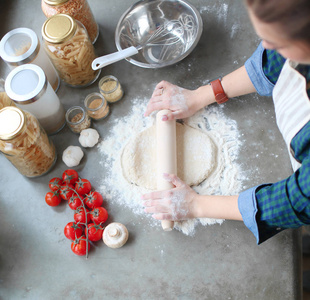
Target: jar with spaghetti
x: 28, y: 87
x: 25, y: 143
x: 77, y: 119
x: 78, y: 9
x: 5, y: 100
x: 21, y: 46
x: 111, y: 89
x: 70, y: 50
x: 97, y: 106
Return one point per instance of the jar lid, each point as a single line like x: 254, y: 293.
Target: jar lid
x: 19, y: 46
x: 55, y: 2
x: 12, y: 121
x: 58, y: 28
x: 26, y: 84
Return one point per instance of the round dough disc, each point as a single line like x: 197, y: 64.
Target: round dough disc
x: 196, y: 157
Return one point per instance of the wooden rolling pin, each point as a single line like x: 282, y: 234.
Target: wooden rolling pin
x: 166, y: 156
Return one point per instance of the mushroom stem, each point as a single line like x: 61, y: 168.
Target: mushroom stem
x: 114, y: 232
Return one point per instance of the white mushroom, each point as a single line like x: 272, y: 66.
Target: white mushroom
x: 72, y: 156
x: 115, y: 235
x: 89, y: 137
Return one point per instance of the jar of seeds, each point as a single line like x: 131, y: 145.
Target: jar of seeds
x: 111, y: 89
x: 77, y: 119
x: 97, y: 106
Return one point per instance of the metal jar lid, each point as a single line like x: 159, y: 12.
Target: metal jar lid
x: 14, y: 41
x: 26, y: 84
x: 58, y: 28
x: 55, y: 2
x: 12, y: 121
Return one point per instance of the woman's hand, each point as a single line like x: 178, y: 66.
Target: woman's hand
x: 176, y: 204
x: 181, y: 102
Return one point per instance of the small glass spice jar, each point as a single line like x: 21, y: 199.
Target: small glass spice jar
x: 78, y: 9
x: 97, y: 106
x: 77, y: 119
x: 5, y: 100
x: 25, y: 143
x: 21, y: 46
x: 68, y: 45
x: 28, y: 87
x: 111, y: 89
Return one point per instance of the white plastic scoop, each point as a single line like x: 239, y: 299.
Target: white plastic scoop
x: 106, y: 60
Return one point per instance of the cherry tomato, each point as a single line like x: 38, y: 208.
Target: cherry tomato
x: 95, y: 232
x: 52, y: 198
x: 70, y: 176
x: 55, y: 183
x: 74, y: 202
x: 93, y: 200
x: 83, y: 186
x: 66, y: 191
x: 79, y: 216
x: 73, y: 231
x: 99, y: 215
x: 79, y: 246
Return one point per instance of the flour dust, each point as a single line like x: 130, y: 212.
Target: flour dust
x: 225, y: 179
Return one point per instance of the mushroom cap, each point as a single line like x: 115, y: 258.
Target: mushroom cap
x: 115, y: 235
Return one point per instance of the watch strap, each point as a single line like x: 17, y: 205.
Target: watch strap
x: 218, y: 91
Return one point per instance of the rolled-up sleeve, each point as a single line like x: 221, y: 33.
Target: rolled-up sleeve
x: 254, y: 68
x: 248, y: 209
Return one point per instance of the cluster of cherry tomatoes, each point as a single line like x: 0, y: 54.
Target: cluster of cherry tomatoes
x: 89, y: 215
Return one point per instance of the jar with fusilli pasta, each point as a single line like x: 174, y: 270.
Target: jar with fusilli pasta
x: 68, y: 45
x: 25, y: 143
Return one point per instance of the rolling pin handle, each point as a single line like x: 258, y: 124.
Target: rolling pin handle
x: 167, y: 225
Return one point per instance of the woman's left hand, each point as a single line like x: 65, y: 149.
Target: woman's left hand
x: 176, y: 204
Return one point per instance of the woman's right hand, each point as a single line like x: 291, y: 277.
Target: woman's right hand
x: 181, y: 102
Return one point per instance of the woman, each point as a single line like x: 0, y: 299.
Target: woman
x: 279, y: 67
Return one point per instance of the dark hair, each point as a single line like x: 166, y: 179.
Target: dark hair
x: 293, y: 15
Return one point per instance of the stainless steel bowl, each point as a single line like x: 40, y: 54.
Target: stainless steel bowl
x: 140, y: 25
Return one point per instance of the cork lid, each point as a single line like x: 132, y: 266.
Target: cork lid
x: 58, y: 28
x: 12, y: 121
x: 55, y: 2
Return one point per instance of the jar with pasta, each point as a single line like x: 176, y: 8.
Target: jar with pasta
x: 22, y: 46
x: 78, y: 9
x: 70, y: 50
x: 25, y: 143
x: 5, y: 100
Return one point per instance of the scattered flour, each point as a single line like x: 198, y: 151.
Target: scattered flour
x: 226, y: 179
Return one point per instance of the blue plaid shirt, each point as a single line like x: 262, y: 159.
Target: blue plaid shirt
x: 270, y: 208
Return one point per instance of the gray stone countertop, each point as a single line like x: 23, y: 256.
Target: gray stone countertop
x: 217, y: 262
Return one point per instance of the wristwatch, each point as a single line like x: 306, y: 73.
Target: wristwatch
x: 218, y: 91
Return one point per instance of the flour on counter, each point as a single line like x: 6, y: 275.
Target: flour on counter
x: 226, y: 178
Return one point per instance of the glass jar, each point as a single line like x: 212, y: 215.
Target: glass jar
x: 97, y: 107
x: 77, y: 119
x: 21, y: 46
x: 5, y: 100
x: 24, y: 143
x: 78, y: 9
x: 111, y: 89
x: 70, y: 50
x: 28, y: 87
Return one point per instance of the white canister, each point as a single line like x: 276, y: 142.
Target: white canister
x: 28, y: 87
x: 21, y: 46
